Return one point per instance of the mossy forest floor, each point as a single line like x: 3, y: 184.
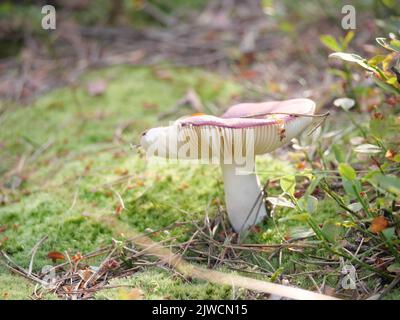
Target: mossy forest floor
x: 67, y: 157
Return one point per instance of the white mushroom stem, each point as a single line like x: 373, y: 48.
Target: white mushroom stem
x: 243, y: 199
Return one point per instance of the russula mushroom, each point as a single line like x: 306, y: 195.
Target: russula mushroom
x: 233, y: 140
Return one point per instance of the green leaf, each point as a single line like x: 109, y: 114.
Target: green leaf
x: 392, y: 80
x: 386, y: 87
x: 374, y: 61
x: 396, y: 158
x: 389, y: 183
x: 300, y: 232
x: 280, y: 202
x: 347, y: 39
x: 393, y: 45
x: 382, y: 42
x: 312, y: 204
x: 288, y: 184
x: 330, y: 42
x: 371, y: 174
x: 314, y: 183
x: 331, y: 231
x: 352, y: 188
x: 302, y: 217
x: 356, y: 206
x: 367, y: 148
x: 339, y: 153
x: 389, y: 3
x: 394, y: 268
x: 378, y: 127
x: 387, y: 62
x: 277, y: 274
x: 351, y: 57
x: 388, y: 233
x: 346, y: 171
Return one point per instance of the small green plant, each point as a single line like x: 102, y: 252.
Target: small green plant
x: 384, y: 67
x: 339, y: 45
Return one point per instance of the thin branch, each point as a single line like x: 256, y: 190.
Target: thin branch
x: 33, y: 253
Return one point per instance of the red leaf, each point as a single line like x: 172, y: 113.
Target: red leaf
x: 378, y: 224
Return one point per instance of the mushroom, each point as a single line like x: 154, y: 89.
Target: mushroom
x: 233, y: 140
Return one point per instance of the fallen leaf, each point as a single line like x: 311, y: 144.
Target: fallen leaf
x: 255, y: 229
x: 68, y: 289
x: 85, y: 274
x: 394, y: 268
x: 378, y: 224
x: 110, y: 264
x: 329, y: 291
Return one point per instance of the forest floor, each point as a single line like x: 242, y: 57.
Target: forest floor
x: 76, y: 163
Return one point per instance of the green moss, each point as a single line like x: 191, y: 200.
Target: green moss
x: 71, y: 155
x: 75, y: 167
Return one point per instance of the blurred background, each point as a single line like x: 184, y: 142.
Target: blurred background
x: 273, y: 45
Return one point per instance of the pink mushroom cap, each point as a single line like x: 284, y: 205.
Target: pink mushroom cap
x: 248, y: 115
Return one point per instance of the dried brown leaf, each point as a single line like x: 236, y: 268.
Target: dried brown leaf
x: 378, y: 224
